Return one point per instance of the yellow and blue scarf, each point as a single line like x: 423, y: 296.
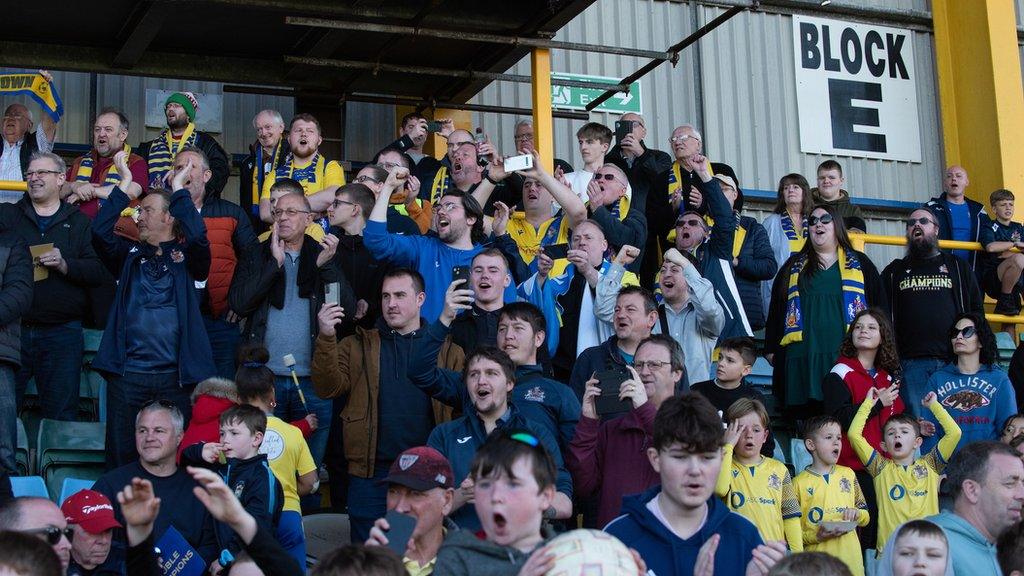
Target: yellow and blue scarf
x: 36, y: 87
x: 854, y: 299
x: 737, y: 240
x: 85, y: 168
x: 315, y: 172
x: 442, y: 182
x: 164, y: 150
x: 796, y: 241
x: 262, y: 167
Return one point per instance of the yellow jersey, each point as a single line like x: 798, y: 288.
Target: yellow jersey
x: 312, y: 178
x: 904, y: 492
x: 552, y: 231
x: 762, y: 493
x: 289, y: 458
x: 824, y: 498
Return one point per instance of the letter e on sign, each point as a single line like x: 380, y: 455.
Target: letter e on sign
x: 856, y: 89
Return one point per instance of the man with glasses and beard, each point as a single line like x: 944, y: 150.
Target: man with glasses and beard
x: 181, y: 109
x: 926, y: 288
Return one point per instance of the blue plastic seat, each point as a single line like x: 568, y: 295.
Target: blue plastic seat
x: 29, y: 486
x: 73, y: 486
x: 801, y: 457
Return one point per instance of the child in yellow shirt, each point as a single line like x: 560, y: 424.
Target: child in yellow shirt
x: 829, y: 494
x: 757, y: 487
x: 907, y: 489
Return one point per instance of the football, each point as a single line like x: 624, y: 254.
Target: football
x: 590, y: 553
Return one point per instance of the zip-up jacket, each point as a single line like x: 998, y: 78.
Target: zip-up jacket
x: 755, y: 263
x: 352, y: 368
x: 668, y: 555
x: 939, y: 207
x: 15, y: 295
x: 232, y: 239
x: 60, y: 297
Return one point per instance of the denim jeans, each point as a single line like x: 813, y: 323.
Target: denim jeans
x: 125, y: 396
x: 916, y: 372
x: 367, y: 501
x: 8, y: 420
x: 289, y: 408
x: 224, y: 338
x: 53, y: 356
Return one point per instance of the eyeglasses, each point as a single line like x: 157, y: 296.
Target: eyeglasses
x: 683, y: 138
x: 52, y: 534
x: 690, y: 222
x: 608, y: 177
x: 388, y: 165
x: 966, y: 332
x: 824, y: 219
x: 446, y: 207
x: 290, y: 212
x: 364, y: 178
x: 525, y: 438
x: 339, y: 203
x: 40, y: 173
x: 922, y: 221
x: 159, y: 402
x: 523, y: 137
x: 652, y: 364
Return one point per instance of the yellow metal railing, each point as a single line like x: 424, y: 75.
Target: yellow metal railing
x: 14, y: 185
x: 859, y: 240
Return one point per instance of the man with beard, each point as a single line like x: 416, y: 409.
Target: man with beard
x: 181, y: 109
x: 459, y: 220
x: 959, y: 217
x: 320, y: 178
x: 926, y: 289
x: 92, y: 177
x: 265, y: 156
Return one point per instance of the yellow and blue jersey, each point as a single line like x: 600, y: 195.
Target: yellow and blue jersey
x: 824, y: 498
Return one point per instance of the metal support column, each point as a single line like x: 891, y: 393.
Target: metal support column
x: 543, y: 135
x: 980, y: 92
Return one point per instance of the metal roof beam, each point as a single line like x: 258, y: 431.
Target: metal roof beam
x: 475, y: 37
x: 142, y: 33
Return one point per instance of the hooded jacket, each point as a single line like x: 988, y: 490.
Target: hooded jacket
x: 352, y: 368
x: 668, y: 555
x: 939, y: 207
x: 464, y: 553
x: 210, y: 398
x: 845, y: 388
x: 969, y: 552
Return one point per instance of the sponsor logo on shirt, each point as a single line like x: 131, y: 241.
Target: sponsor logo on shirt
x: 463, y: 440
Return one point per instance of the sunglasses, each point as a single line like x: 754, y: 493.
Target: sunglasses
x: 608, y: 177
x: 824, y: 219
x: 922, y: 221
x: 966, y: 332
x: 52, y: 534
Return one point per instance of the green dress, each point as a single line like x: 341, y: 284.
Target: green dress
x: 810, y: 360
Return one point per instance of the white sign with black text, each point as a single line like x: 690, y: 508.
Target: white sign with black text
x: 855, y: 88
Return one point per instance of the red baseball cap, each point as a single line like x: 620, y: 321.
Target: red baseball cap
x: 90, y: 510
x: 421, y: 468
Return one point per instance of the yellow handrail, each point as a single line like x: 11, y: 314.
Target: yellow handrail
x: 14, y: 185
x: 859, y: 240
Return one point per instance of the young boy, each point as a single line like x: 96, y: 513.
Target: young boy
x: 513, y: 485
x: 758, y: 487
x: 829, y: 492
x: 736, y: 359
x: 244, y: 470
x: 830, y: 192
x: 1000, y: 275
x: 907, y: 489
x: 680, y: 524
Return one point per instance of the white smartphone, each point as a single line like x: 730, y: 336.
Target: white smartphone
x: 332, y: 293
x: 516, y: 163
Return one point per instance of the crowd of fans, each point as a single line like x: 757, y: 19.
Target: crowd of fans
x: 476, y: 359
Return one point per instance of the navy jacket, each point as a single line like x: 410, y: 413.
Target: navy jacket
x: 604, y: 356
x: 253, y: 483
x: 668, y: 555
x: 189, y: 261
x: 15, y: 296
x: 939, y: 207
x: 756, y: 262
x: 541, y: 400
x: 459, y: 440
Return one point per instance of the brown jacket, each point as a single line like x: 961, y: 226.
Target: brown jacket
x: 352, y: 367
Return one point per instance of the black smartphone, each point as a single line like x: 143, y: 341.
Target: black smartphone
x: 434, y: 126
x: 461, y: 273
x: 622, y: 129
x: 609, y: 381
x: 556, y: 251
x: 400, y: 527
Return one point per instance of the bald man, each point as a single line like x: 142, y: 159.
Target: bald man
x: 959, y: 217
x: 39, y: 517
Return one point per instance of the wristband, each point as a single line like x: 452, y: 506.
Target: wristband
x: 487, y: 176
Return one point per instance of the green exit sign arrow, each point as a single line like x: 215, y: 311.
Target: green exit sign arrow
x: 573, y: 98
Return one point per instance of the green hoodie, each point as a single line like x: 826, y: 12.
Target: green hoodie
x: 465, y: 554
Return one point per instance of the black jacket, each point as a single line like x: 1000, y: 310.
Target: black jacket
x: 15, y: 295
x: 264, y: 550
x: 245, y: 170
x: 939, y: 206
x: 366, y: 275
x: 29, y: 146
x: 59, y: 298
x: 260, y: 284
x: 755, y: 263
x: 643, y: 174
x: 214, y: 153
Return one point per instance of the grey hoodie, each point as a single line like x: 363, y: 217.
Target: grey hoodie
x: 884, y: 566
x: 465, y: 554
